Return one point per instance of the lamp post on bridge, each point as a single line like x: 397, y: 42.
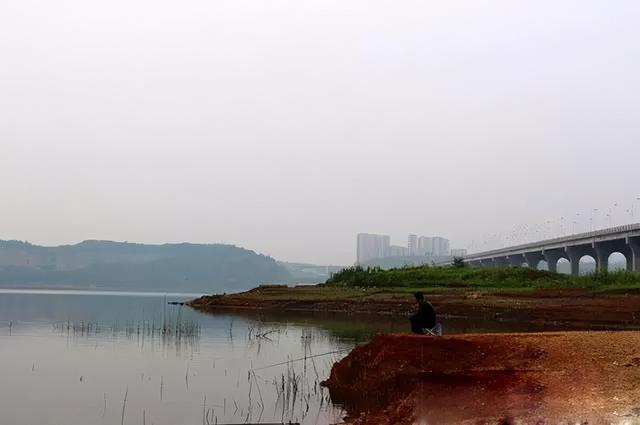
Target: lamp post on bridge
x: 633, y: 206
x: 611, y: 214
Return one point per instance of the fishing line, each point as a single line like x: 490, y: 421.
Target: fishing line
x: 300, y: 359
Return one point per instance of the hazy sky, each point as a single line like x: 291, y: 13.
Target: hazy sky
x: 288, y: 126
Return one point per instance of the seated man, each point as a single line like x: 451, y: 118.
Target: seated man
x: 425, y: 318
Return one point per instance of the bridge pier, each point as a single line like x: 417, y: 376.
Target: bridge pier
x: 501, y: 262
x: 602, y: 258
x: 575, y: 253
x: 487, y: 262
x: 516, y: 260
x: 533, y: 259
x: 552, y: 256
x: 634, y: 247
x: 629, y: 247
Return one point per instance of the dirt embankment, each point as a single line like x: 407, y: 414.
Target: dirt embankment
x: 566, y: 308
x: 536, y: 378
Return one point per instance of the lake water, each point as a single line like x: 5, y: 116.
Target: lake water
x: 76, y: 358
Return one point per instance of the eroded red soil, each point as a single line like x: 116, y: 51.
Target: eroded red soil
x: 536, y: 378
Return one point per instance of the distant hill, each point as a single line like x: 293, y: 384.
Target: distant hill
x: 121, y: 265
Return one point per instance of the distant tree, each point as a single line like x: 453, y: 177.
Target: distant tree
x: 458, y: 262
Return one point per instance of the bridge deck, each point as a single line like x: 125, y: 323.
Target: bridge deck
x: 614, y: 233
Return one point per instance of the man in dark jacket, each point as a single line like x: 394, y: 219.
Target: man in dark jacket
x: 425, y: 318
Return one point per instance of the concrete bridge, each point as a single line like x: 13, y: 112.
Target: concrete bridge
x: 599, y: 244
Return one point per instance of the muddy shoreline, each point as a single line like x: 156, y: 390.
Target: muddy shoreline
x: 586, y: 371
x: 560, y: 309
x: 492, y: 379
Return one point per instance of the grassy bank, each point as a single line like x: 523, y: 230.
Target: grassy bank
x: 464, y: 277
x: 519, y: 295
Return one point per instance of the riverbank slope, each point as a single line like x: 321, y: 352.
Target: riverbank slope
x: 564, y: 308
x: 541, y: 378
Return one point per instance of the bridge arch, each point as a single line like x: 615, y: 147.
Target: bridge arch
x: 618, y: 261
x: 542, y: 265
x: 587, y: 264
x: 533, y: 259
x: 563, y: 266
x: 553, y: 256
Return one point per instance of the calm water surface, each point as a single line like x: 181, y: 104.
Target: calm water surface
x: 70, y: 357
x: 76, y: 358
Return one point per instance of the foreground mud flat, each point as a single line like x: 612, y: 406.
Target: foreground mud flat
x: 528, y: 378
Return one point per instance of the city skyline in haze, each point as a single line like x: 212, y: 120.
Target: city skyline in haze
x: 289, y: 127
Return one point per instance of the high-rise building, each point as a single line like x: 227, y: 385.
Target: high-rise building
x: 412, y: 245
x: 458, y: 253
x: 440, y: 247
x: 425, y: 246
x: 372, y: 246
x: 398, y: 251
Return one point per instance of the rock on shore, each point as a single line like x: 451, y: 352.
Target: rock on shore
x: 533, y: 378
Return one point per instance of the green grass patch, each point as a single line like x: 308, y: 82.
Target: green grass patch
x: 448, y: 278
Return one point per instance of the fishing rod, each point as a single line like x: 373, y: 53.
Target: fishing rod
x: 300, y: 359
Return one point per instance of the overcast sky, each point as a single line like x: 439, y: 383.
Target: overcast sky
x: 288, y: 126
